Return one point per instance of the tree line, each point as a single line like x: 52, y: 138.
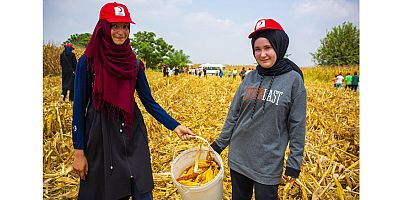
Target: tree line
x: 340, y: 47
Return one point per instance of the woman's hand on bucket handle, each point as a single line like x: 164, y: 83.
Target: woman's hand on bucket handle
x: 183, y: 132
x: 80, y: 164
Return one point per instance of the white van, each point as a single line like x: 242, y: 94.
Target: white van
x: 212, y: 68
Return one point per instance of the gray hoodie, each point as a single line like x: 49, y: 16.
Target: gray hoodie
x: 257, y: 146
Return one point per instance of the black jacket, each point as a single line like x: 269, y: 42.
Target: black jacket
x: 68, y: 64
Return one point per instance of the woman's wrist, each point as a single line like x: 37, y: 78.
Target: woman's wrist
x: 79, y: 152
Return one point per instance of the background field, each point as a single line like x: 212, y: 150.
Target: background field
x: 330, y: 166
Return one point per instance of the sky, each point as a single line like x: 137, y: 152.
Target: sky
x: 210, y: 31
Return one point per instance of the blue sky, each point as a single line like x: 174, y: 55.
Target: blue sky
x: 210, y: 31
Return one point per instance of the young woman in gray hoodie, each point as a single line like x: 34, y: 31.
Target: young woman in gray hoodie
x: 267, y: 113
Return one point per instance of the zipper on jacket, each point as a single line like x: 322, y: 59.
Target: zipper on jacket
x: 111, y: 154
x: 126, y: 153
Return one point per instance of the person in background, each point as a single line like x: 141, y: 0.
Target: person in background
x: 205, y: 72
x: 68, y: 64
x: 111, y: 150
x: 243, y: 73
x: 348, y: 81
x: 334, y: 80
x: 165, y: 73
x: 199, y: 71
x: 234, y: 73
x: 339, y: 81
x: 176, y: 71
x: 355, y: 81
x: 268, y: 112
x: 229, y: 73
x: 171, y: 71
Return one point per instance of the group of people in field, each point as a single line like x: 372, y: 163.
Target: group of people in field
x: 200, y: 71
x: 349, y: 81
x: 111, y: 150
x: 167, y: 71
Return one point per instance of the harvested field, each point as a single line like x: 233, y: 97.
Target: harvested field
x: 330, y: 167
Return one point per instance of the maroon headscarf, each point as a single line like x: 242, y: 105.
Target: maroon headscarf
x: 115, y: 73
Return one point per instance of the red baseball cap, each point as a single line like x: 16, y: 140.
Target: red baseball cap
x: 69, y: 45
x: 265, y: 24
x: 115, y: 12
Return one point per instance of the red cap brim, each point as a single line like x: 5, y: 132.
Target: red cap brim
x: 119, y: 20
x: 261, y: 29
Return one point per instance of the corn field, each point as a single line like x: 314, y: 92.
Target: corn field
x: 331, y: 165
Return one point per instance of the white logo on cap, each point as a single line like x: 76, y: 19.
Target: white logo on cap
x: 260, y: 24
x: 119, y: 11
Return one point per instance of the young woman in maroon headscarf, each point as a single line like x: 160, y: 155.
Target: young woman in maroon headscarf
x: 109, y: 136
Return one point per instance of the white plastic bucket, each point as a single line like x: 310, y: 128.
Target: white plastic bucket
x: 212, y: 190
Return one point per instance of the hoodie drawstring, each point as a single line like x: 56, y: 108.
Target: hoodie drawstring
x: 258, y: 90
x: 255, y: 99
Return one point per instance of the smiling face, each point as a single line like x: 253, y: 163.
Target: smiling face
x: 119, y: 32
x: 264, y: 53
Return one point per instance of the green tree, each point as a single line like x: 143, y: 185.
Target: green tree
x: 152, y: 51
x: 341, y: 46
x: 177, y: 58
x: 79, y: 40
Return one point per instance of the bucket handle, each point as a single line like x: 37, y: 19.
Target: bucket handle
x: 196, y: 136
